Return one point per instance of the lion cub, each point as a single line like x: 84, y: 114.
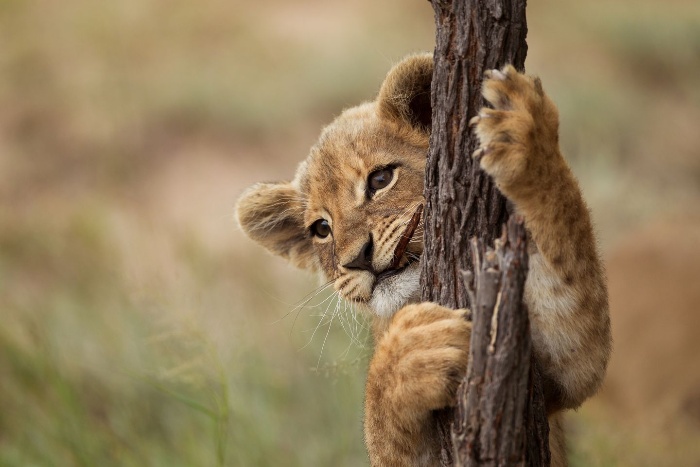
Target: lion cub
x: 353, y: 213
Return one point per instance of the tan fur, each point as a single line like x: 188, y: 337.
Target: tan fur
x: 422, y: 348
x: 424, y: 355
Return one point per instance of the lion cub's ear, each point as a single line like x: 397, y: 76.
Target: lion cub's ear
x: 405, y: 93
x: 272, y: 214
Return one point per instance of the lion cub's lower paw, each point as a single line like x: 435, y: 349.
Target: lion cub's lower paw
x: 421, y: 359
x: 520, y: 132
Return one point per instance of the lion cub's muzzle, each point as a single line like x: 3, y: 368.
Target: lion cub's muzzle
x: 363, y: 262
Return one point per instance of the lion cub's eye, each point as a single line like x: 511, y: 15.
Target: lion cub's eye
x: 379, y: 179
x: 321, y: 228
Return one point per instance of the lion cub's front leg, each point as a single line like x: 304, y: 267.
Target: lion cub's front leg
x: 565, y: 290
x: 417, y: 365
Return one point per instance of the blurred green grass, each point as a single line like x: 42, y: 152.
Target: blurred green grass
x: 94, y: 374
x: 140, y: 328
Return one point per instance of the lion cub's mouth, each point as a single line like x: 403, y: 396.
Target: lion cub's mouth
x: 395, y: 268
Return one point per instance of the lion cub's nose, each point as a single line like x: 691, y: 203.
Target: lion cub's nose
x: 364, y: 258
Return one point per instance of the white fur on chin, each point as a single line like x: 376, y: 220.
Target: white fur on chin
x: 395, y: 292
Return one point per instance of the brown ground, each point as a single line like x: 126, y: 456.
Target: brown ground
x: 655, y: 296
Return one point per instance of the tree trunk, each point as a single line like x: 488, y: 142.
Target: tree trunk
x: 461, y: 202
x: 500, y: 417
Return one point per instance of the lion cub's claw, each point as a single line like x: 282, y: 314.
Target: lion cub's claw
x: 521, y: 122
x: 498, y: 74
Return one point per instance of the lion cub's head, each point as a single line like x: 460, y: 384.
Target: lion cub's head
x: 353, y: 209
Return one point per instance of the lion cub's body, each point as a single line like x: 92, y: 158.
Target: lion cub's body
x: 353, y: 212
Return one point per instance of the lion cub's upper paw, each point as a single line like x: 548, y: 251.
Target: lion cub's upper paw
x: 422, y: 358
x: 522, y: 124
x: 510, y: 90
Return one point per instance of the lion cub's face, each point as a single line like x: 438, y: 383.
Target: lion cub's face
x: 354, y: 208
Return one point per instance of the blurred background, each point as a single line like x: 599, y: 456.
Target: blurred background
x: 139, y: 327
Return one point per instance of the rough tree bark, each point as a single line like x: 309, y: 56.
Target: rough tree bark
x: 461, y: 202
x: 500, y: 417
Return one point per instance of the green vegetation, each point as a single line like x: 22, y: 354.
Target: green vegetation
x: 98, y: 374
